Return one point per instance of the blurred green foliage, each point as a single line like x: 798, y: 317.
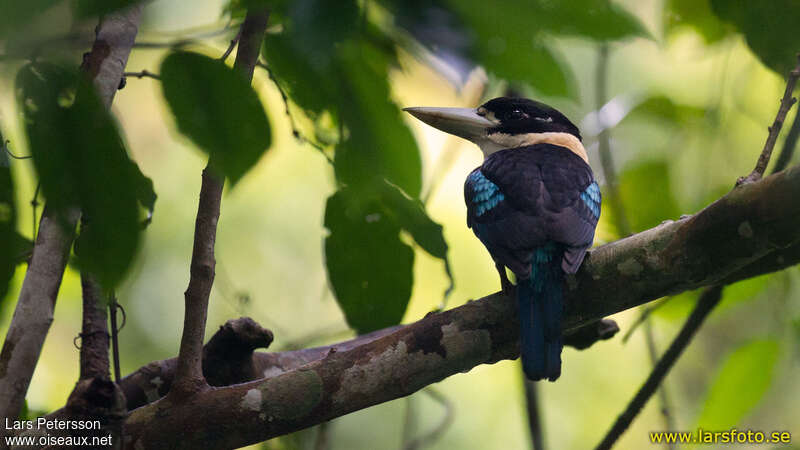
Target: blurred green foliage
x: 739, y: 385
x: 82, y: 162
x: 8, y: 222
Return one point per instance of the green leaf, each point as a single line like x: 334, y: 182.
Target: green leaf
x: 16, y: 15
x: 770, y: 29
x: 646, y: 193
x: 696, y: 14
x: 410, y: 214
x: 379, y: 145
x: 513, y: 51
x: 90, y: 8
x: 663, y: 109
x: 369, y: 267
x: 312, y: 89
x: 8, y: 222
x: 82, y: 163
x: 595, y: 19
x: 741, y: 382
x: 217, y: 109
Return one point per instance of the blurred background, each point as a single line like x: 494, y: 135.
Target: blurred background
x: 688, y: 91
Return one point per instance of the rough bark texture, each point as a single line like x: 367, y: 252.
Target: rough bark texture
x: 34, y: 312
x: 189, y: 377
x: 741, y: 228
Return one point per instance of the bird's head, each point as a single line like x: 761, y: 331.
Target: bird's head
x: 505, y: 122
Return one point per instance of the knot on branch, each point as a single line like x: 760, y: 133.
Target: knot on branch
x: 586, y: 336
x: 228, y: 355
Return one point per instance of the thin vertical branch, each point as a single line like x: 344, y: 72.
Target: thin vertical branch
x: 663, y: 397
x: 34, y: 312
x: 112, y: 309
x: 708, y: 300
x: 189, y: 377
x: 604, y: 143
x: 94, y: 332
x: 534, y: 415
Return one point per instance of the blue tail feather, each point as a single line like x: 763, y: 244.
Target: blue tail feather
x: 540, y: 299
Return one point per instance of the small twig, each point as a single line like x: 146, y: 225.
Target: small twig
x: 789, y: 145
x: 786, y: 104
x: 705, y: 305
x: 142, y: 74
x: 112, y: 307
x: 534, y: 415
x: 230, y: 48
x: 35, y: 206
x: 440, y: 428
x: 643, y: 317
x: 295, y: 130
x: 8, y: 151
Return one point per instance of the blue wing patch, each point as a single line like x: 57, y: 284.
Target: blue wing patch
x: 485, y: 194
x: 591, y: 197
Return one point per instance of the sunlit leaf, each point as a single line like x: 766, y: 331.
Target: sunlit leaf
x: 82, y: 163
x: 741, y: 382
x: 770, y: 29
x: 369, y: 267
x: 217, y: 109
x: 696, y: 14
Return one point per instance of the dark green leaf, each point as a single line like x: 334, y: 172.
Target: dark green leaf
x: 82, y: 163
x: 312, y: 89
x: 217, y: 108
x: 410, y: 214
x: 696, y: 14
x: 595, y: 19
x: 646, y: 193
x: 143, y: 186
x: 770, y: 29
x: 740, y: 384
x: 513, y: 50
x: 379, y: 144
x: 16, y: 15
x: 369, y: 267
x: 8, y: 222
x: 90, y: 8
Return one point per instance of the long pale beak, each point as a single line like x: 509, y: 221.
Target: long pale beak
x: 462, y: 122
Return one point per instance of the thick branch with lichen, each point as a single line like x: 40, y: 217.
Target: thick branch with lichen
x: 727, y: 240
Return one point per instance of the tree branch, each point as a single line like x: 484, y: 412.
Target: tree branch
x: 789, y: 145
x: 743, y: 227
x: 94, y: 332
x: 786, y: 104
x: 189, y: 377
x: 34, y: 312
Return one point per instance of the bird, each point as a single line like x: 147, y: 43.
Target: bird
x: 533, y: 203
